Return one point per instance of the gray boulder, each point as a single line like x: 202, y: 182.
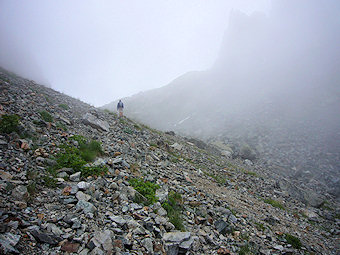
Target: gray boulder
x: 91, y: 120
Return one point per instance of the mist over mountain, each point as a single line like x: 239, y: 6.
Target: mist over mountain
x: 274, y: 87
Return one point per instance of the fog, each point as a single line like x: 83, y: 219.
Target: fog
x: 100, y: 51
x: 275, y: 86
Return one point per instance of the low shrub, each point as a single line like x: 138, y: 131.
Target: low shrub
x: 173, y: 207
x: 76, y: 156
x: 274, y: 203
x: 93, y: 170
x: 293, y: 241
x: 49, y: 181
x: 31, y: 188
x: 219, y: 179
x: 46, y: 116
x: 9, y: 123
x: 146, y: 189
x: 61, y: 126
x: 64, y: 106
x: 244, y: 250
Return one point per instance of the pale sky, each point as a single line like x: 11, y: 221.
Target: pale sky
x: 100, y: 51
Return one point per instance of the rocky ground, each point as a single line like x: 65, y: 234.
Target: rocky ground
x: 226, y: 206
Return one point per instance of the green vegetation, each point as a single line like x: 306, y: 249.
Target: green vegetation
x: 93, y: 170
x: 46, y: 116
x: 9, y: 123
x: 77, y: 156
x: 146, y: 190
x: 128, y: 131
x: 174, y: 209
x: 64, y: 106
x: 122, y: 121
x: 219, y: 179
x: 244, y: 236
x: 49, y: 181
x: 274, y: 203
x: 4, y: 79
x: 108, y: 111
x: 31, y: 188
x: 259, y: 226
x: 327, y: 206
x: 31, y: 175
x: 137, y: 127
x: 251, y: 173
x: 293, y: 241
x: 244, y: 250
x: 61, y: 126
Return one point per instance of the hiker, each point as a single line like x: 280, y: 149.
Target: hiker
x: 120, y: 107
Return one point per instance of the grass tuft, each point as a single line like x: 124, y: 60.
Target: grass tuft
x: 76, y: 156
x: 219, y: 179
x: 46, y: 116
x: 64, y: 106
x: 294, y: 241
x: 9, y: 123
x: 274, y: 203
x: 174, y: 209
x: 146, y: 189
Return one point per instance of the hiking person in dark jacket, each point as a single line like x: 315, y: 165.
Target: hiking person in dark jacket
x: 120, y: 107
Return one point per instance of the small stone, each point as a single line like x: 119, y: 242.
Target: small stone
x: 118, y: 219
x: 113, y: 186
x: 278, y: 247
x: 8, y: 241
x: 177, y: 146
x: 223, y: 251
x: 20, y: 204
x: 86, y: 206
x: 54, y: 229
x: 171, y: 248
x: 83, y: 185
x: 125, y: 164
x: 161, y: 212
x: 5, y: 176
x: 97, y: 251
x: 232, y: 218
x: 221, y: 226
x: 62, y: 175
x: 70, y: 200
x: 82, y: 196
x: 75, y: 177
x: 103, y: 239
x: 45, y: 238
x: 177, y: 237
x: 226, y: 154
x: 70, y: 247
x: 20, y: 193
x: 186, y: 245
x: 248, y: 162
x: 76, y: 223
x: 74, y: 189
x: 148, y: 245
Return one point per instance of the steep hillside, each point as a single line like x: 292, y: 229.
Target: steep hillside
x: 274, y: 87
x: 76, y: 179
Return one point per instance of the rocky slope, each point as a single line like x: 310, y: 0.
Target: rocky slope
x: 225, y: 205
x: 274, y: 87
